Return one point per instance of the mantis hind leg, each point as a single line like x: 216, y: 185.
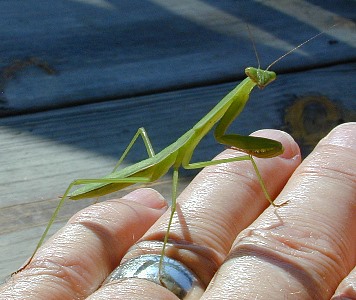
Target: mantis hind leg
x: 140, y: 132
x: 132, y: 180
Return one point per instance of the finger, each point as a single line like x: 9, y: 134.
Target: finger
x: 304, y: 249
x: 347, y: 287
x: 132, y: 289
x: 74, y: 262
x: 217, y: 205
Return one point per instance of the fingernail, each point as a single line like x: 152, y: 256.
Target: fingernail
x: 341, y: 136
x: 147, y: 197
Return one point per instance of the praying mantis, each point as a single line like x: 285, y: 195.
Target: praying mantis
x: 178, y: 154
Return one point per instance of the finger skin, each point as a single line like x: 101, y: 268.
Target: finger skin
x: 220, y: 202
x: 304, y: 249
x: 74, y: 262
x: 347, y: 287
x: 133, y: 289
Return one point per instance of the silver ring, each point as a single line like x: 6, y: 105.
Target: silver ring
x: 174, y: 276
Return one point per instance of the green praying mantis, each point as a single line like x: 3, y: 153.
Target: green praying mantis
x: 178, y: 154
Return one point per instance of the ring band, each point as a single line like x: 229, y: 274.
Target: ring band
x: 174, y: 276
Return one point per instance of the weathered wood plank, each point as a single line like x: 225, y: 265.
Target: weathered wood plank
x: 41, y: 153
x: 60, y: 53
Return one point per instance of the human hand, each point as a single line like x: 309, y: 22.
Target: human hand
x: 303, y: 250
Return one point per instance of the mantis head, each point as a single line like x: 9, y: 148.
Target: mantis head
x: 265, y: 77
x: 260, y: 77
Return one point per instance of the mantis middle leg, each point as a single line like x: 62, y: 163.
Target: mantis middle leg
x: 140, y: 132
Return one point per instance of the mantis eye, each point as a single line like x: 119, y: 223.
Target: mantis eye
x: 261, y: 77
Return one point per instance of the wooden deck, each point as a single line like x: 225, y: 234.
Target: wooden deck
x: 78, y: 77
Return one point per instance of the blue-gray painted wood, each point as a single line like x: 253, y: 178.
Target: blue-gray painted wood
x: 62, y: 53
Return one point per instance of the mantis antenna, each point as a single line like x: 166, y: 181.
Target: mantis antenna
x: 300, y: 45
x: 254, y: 45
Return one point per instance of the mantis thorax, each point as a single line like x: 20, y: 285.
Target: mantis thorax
x: 260, y: 77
